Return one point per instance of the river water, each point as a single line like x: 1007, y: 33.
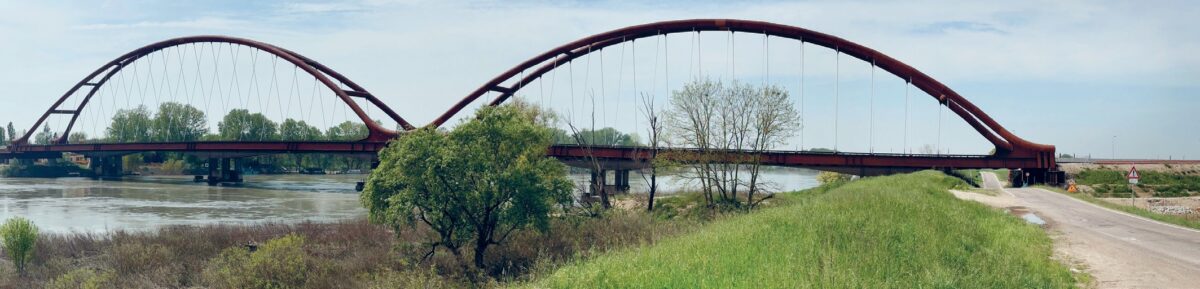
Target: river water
x: 143, y: 203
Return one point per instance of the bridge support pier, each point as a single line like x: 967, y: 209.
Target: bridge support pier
x: 599, y: 181
x: 621, y: 181
x: 106, y: 167
x: 223, y: 170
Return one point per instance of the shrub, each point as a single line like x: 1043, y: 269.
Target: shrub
x: 83, y: 278
x: 832, y: 177
x: 280, y: 263
x: 19, y: 235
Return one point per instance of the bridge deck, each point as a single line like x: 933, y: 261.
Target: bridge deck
x: 608, y: 157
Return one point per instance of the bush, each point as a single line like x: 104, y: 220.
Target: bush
x: 83, y: 278
x: 280, y: 263
x: 832, y: 177
x: 19, y: 235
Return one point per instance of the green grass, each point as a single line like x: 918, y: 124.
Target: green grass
x: 1172, y: 219
x: 901, y: 231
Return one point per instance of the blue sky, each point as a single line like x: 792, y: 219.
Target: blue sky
x: 1069, y: 73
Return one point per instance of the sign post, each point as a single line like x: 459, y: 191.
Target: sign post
x: 1133, y: 177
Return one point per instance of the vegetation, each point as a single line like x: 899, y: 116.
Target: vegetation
x: 347, y: 254
x: 19, y: 237
x: 1171, y: 219
x: 712, y: 117
x: 280, y: 263
x: 1113, y: 183
x: 888, y: 232
x: 477, y: 183
x: 832, y: 178
x: 604, y: 136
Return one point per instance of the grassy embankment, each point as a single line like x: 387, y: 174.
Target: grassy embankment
x: 1172, y: 219
x: 900, y: 231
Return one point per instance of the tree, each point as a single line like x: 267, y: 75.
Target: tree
x: 478, y: 183
x: 653, y: 131
x: 3, y: 138
x: 293, y: 130
x: 45, y: 136
x: 347, y: 131
x: 713, y: 118
x: 241, y: 125
x: 130, y: 125
x: 12, y: 133
x: 77, y: 137
x: 176, y: 122
x: 19, y: 236
x: 605, y: 136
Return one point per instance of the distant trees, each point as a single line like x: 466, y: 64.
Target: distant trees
x: 604, y: 136
x: 177, y: 122
x: 241, y: 125
x: 45, y: 136
x: 713, y: 117
x: 3, y: 138
x: 130, y: 125
x: 347, y: 131
x: 78, y: 137
x: 475, y: 184
x: 12, y: 133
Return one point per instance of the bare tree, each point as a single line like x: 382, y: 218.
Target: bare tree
x: 718, y: 119
x: 653, y: 131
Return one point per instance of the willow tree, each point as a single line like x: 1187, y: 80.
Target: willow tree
x: 476, y: 184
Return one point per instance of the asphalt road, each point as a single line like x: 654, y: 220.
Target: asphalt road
x: 1119, y: 250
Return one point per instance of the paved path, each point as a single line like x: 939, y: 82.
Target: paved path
x: 1118, y: 249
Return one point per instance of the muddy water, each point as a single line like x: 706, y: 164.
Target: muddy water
x: 143, y: 203
x: 140, y: 203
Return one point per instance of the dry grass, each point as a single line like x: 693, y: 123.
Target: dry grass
x: 349, y: 254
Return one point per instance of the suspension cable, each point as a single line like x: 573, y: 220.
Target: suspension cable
x: 941, y: 107
x: 907, y: 84
x: 836, y: 94
x: 802, y: 113
x: 871, y: 119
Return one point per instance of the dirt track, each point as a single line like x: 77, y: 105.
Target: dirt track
x: 1119, y: 250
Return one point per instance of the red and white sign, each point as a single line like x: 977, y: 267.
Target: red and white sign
x: 1133, y: 175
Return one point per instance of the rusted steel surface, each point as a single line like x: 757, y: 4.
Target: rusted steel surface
x: 640, y: 155
x: 322, y: 73
x: 1007, y: 144
x: 349, y: 147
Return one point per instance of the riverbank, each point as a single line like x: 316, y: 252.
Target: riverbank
x: 902, y: 231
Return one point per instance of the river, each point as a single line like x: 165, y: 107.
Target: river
x: 149, y: 202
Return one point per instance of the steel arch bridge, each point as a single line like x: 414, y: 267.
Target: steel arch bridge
x: 1011, y: 151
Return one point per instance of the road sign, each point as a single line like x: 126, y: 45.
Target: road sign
x: 1133, y: 175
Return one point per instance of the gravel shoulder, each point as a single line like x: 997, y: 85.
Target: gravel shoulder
x: 1119, y: 250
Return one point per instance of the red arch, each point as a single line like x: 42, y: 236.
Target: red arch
x: 317, y: 70
x: 1006, y: 143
